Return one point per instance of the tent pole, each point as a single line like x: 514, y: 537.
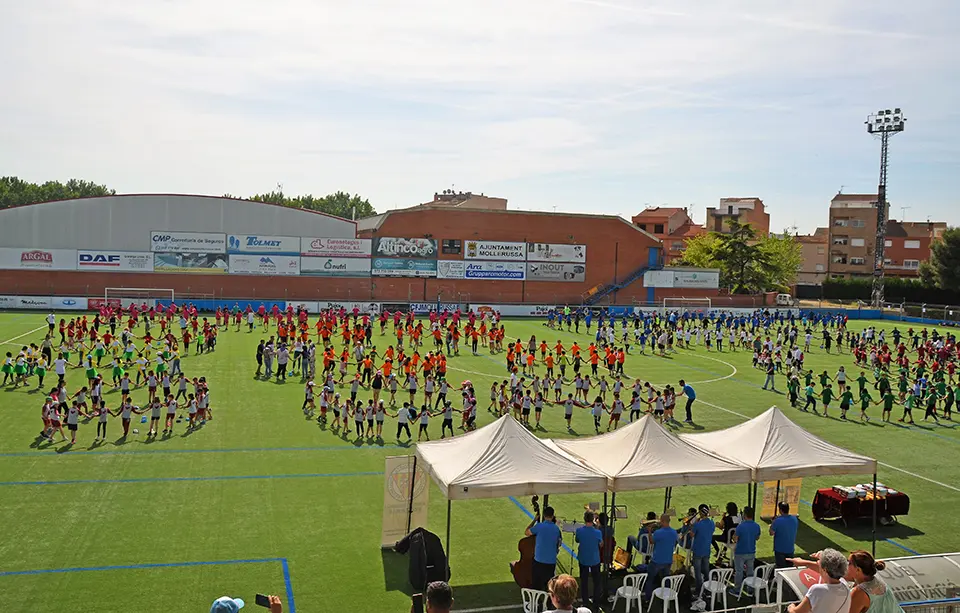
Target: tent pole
x: 448, y: 537
x: 776, y: 499
x: 607, y: 554
x: 749, y: 492
x: 873, y: 549
x: 666, y: 498
x: 613, y: 531
x: 413, y: 482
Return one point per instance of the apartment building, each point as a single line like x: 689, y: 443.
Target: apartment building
x: 672, y: 225
x: 907, y: 244
x: 853, y: 231
x: 815, y: 253
x: 745, y: 210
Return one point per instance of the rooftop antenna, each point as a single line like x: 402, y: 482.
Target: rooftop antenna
x: 903, y: 212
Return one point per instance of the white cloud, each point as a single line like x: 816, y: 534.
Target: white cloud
x: 656, y: 102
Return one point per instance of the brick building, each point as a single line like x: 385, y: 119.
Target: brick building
x: 814, y: 251
x: 853, y: 231
x: 672, y: 225
x: 467, y: 200
x: 907, y: 244
x: 745, y: 210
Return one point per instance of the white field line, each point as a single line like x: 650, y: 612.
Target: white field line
x: 9, y: 341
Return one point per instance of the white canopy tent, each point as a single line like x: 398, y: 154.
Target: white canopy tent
x: 502, y: 459
x: 776, y: 448
x: 645, y: 455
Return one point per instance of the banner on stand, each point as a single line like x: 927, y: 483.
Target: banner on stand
x: 397, y: 474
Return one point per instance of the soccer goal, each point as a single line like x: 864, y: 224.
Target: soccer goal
x: 688, y: 305
x: 138, y: 296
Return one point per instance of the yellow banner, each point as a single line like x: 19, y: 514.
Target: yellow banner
x: 789, y: 493
x: 396, y: 499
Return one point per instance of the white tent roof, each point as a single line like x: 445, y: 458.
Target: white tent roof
x: 504, y: 459
x: 645, y: 455
x: 777, y: 448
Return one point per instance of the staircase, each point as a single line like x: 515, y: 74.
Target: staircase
x: 600, y: 292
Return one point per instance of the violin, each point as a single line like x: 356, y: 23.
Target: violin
x: 522, y: 569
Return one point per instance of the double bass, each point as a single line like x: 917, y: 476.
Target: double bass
x: 522, y: 569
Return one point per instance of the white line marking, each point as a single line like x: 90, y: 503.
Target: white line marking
x: 9, y: 341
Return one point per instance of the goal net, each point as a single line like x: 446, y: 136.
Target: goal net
x: 126, y: 296
x: 687, y: 305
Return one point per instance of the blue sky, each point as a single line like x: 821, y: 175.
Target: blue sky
x: 583, y: 105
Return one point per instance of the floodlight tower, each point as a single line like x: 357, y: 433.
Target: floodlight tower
x: 884, y: 124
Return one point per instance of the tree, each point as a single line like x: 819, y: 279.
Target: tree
x: 945, y: 259
x: 747, y: 264
x: 14, y: 191
x: 340, y: 204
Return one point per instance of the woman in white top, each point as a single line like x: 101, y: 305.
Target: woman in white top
x: 830, y: 595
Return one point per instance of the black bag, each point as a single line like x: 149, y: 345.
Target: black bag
x: 428, y: 562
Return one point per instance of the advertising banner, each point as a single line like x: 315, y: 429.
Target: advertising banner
x: 99, y: 303
x: 390, y: 247
x: 494, y: 250
x: 264, y: 264
x: 550, y: 252
x: 8, y: 302
x: 203, y: 263
x: 788, y: 491
x: 335, y: 247
x: 311, y: 307
x: 403, y: 267
x: 191, y: 242
x: 362, y: 307
x: 13, y: 258
x: 26, y: 302
x: 124, y: 261
x: 550, y: 271
x: 703, y: 279
x: 335, y: 267
x: 66, y: 303
x: 254, y: 243
x: 457, y: 269
x: 513, y: 310
x: 421, y: 308
x: 397, y: 518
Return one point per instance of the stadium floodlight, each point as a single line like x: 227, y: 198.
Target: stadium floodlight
x: 884, y: 123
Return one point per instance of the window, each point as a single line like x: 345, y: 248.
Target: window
x: 911, y: 244
x: 819, y: 267
x: 658, y: 228
x: 820, y: 250
x: 856, y: 261
x: 856, y: 242
x: 451, y: 245
x: 836, y: 276
x: 677, y: 245
x: 839, y: 259
x: 857, y: 223
x: 887, y: 261
x: 642, y: 226
x: 840, y: 240
x: 842, y: 223
x: 911, y: 264
x: 888, y: 243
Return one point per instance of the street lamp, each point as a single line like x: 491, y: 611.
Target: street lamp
x: 884, y: 123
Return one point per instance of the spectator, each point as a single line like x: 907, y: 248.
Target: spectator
x: 225, y: 604
x: 439, y: 597
x: 746, y: 537
x: 784, y: 533
x: 830, y: 596
x: 664, y: 542
x: 563, y: 593
x: 870, y: 593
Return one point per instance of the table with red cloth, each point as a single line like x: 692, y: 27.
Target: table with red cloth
x: 829, y: 504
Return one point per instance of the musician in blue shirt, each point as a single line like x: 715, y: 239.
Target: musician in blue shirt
x: 664, y: 543
x: 588, y: 554
x: 545, y: 553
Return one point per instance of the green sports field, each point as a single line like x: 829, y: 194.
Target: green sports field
x: 262, y: 500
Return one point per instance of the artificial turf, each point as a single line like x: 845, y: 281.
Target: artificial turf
x: 271, y: 502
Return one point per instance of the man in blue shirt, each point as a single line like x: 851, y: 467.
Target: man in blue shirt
x: 702, y: 529
x: 687, y: 390
x: 545, y: 554
x: 784, y: 533
x: 588, y: 554
x: 664, y: 543
x: 746, y: 537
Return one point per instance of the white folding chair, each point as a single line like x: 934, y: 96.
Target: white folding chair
x: 646, y: 547
x: 534, y: 601
x: 631, y: 590
x: 716, y: 585
x: 728, y: 546
x: 669, y: 590
x: 759, y: 581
